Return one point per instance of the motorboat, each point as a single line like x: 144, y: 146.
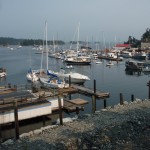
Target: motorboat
x: 2, y: 72
x: 134, y: 65
x: 98, y: 62
x: 110, y: 64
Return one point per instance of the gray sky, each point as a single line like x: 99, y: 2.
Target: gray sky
x: 98, y: 18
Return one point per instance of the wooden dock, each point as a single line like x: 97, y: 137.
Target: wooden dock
x: 90, y: 92
x: 73, y: 105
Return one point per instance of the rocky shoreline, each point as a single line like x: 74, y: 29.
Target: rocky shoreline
x: 121, y: 127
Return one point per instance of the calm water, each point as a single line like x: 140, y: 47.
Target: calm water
x: 112, y: 79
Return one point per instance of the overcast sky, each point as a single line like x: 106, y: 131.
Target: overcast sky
x: 98, y: 18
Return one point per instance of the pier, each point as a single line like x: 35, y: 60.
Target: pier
x: 90, y: 92
x: 23, y: 102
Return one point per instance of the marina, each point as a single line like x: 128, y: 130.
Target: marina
x: 98, y: 92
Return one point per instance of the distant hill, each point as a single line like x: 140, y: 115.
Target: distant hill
x: 9, y: 41
x: 5, y: 41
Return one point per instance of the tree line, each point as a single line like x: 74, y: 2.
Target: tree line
x: 5, y: 41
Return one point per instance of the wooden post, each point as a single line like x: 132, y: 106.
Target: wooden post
x: 69, y: 81
x: 43, y: 120
x: 93, y: 104
x: 69, y: 86
x: 148, y: 84
x: 105, y: 105
x: 132, y: 98
x: 94, y: 86
x: 60, y: 110
x: 9, y: 85
x: 77, y: 110
x: 121, y: 99
x: 94, y: 98
x: 1, y: 134
x: 16, y: 120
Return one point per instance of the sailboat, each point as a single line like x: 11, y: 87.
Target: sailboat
x: 32, y: 75
x: 78, y: 60
x: 51, y: 80
x: 75, y: 77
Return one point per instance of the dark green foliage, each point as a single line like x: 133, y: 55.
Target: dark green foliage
x: 9, y: 41
x: 146, y: 36
x: 133, y: 42
x: 5, y: 41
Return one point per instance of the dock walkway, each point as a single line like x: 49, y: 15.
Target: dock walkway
x: 90, y: 92
x: 72, y: 105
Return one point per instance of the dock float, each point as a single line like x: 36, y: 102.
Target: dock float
x: 87, y: 91
x: 73, y: 105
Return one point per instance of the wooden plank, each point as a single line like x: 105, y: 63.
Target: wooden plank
x: 88, y: 91
x: 79, y: 101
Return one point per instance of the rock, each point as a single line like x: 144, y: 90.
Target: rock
x: 8, y: 142
x: 38, y: 131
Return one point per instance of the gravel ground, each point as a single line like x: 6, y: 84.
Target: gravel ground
x: 121, y: 127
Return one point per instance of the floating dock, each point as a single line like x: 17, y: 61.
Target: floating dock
x: 90, y: 92
x: 73, y: 105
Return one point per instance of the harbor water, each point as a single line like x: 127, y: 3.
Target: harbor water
x: 113, y: 79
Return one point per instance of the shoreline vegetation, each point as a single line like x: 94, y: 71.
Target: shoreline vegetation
x: 125, y: 127
x: 6, y: 41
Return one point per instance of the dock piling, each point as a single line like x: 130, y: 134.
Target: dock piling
x: 148, y: 84
x: 93, y: 104
x: 1, y: 133
x: 94, y: 86
x: 105, y: 104
x: 16, y: 120
x: 121, y: 99
x: 132, y: 98
x: 69, y: 86
x: 77, y: 110
x: 60, y: 110
x: 69, y: 81
x: 43, y: 120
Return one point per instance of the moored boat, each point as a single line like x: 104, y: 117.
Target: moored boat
x: 2, y: 72
x: 134, y: 65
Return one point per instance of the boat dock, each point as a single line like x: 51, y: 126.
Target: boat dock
x: 74, y: 105
x: 19, y: 103
x: 90, y: 92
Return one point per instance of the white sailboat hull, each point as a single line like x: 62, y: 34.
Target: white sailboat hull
x: 52, y: 83
x: 32, y: 77
x: 75, y: 77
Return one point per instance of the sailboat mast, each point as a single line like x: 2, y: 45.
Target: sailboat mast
x: 46, y: 44
x: 78, y: 38
x: 42, y: 51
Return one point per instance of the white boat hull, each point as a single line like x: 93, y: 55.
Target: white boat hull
x: 32, y: 77
x: 75, y: 77
x: 2, y: 74
x: 53, y: 83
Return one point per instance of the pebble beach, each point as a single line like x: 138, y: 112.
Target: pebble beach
x: 119, y: 127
